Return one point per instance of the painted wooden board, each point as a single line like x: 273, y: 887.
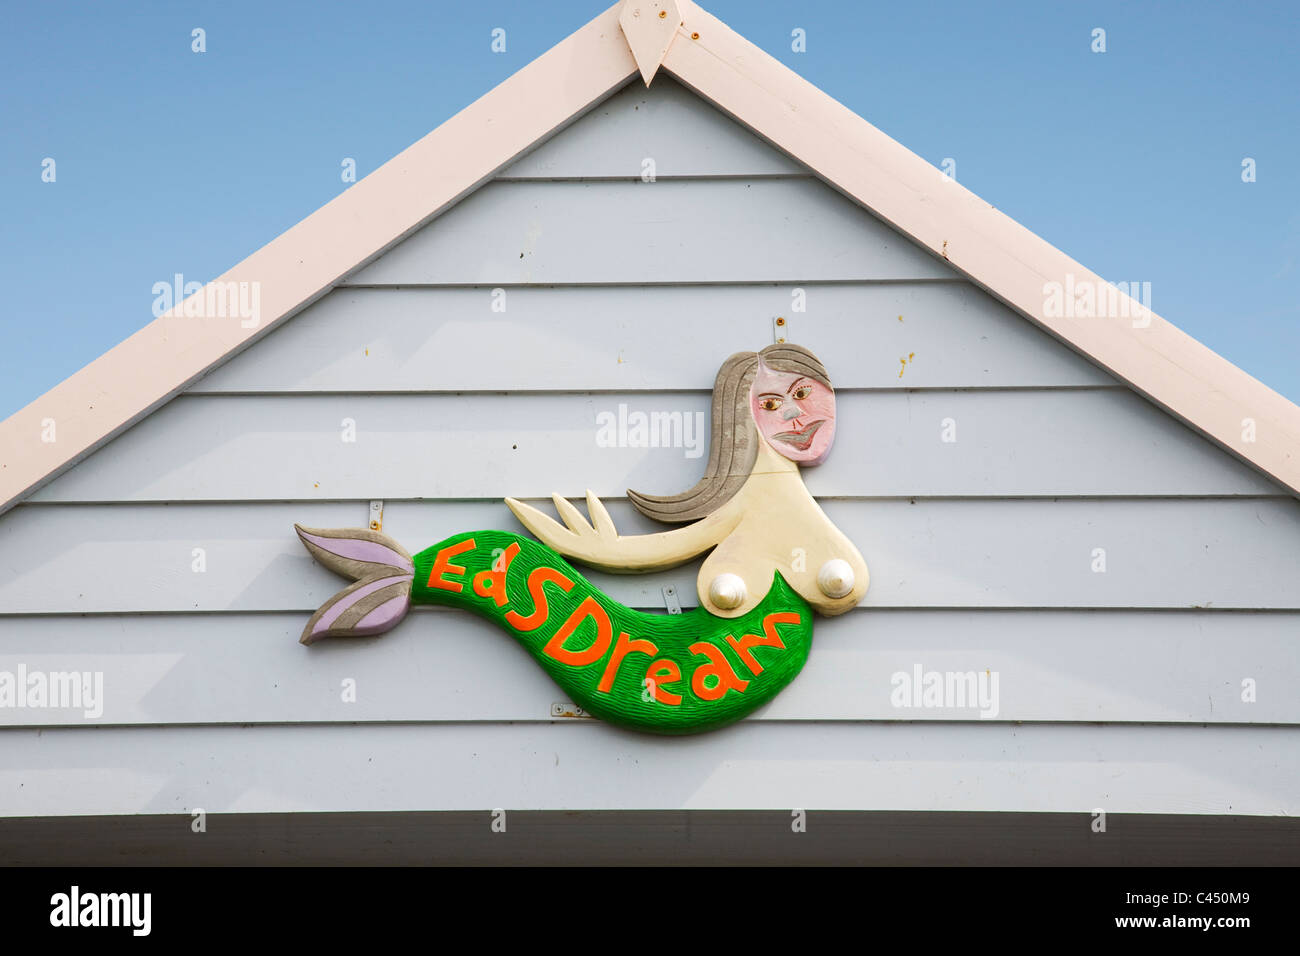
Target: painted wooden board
x: 587, y: 764
x: 615, y: 337
x: 1177, y: 666
x: 722, y: 230
x: 681, y: 133
x: 1007, y: 443
x: 556, y: 838
x: 1222, y: 553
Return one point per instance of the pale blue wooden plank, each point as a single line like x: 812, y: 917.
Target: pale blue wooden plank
x: 1216, y: 553
x: 1007, y: 443
x: 922, y: 335
x: 681, y: 133
x: 763, y: 230
x: 443, y: 665
x: 587, y: 764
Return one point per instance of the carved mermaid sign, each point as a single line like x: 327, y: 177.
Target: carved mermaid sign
x: 775, y: 558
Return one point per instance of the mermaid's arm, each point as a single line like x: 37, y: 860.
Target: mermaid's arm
x: 600, y: 545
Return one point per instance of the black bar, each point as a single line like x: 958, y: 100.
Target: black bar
x: 660, y: 837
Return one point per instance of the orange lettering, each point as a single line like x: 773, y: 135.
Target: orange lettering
x: 493, y: 583
x: 622, y: 648
x: 717, y: 667
x: 604, y: 632
x: 662, y: 672
x: 442, y: 565
x: 536, y: 581
x: 771, y: 639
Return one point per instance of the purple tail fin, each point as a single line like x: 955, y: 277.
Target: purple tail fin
x: 381, y: 593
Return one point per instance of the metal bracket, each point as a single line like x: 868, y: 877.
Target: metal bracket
x: 566, y: 709
x: 670, y: 599
x: 376, y: 516
x: 780, y: 329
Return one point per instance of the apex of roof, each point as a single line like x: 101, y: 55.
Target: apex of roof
x: 1170, y: 368
x: 650, y: 27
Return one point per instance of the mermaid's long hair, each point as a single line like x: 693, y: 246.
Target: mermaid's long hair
x: 733, y: 441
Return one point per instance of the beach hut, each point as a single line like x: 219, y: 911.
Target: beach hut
x: 1079, y: 639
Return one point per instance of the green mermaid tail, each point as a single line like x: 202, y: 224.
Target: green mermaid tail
x: 661, y: 673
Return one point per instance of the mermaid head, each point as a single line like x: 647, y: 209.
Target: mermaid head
x: 782, y: 396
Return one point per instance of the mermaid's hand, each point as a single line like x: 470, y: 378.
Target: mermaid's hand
x: 581, y: 540
x: 601, y: 546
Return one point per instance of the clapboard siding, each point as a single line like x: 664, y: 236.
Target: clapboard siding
x: 583, y: 764
x: 668, y: 125
x: 667, y: 231
x: 631, y: 338
x: 1105, y: 441
x: 1160, y: 553
x: 1118, y: 666
x: 474, y: 358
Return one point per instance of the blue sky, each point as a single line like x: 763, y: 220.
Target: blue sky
x: 171, y: 161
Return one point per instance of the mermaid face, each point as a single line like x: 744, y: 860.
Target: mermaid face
x: 794, y: 413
